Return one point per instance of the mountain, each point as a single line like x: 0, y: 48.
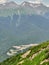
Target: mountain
x: 22, y: 24
x: 46, y: 15
x: 8, y: 5
x: 35, y: 55
x: 10, y: 8
x: 22, y: 29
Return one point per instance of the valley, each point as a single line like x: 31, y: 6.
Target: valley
x: 24, y: 24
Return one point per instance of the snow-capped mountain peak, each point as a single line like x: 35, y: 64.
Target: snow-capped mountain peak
x: 32, y: 4
x: 35, y: 2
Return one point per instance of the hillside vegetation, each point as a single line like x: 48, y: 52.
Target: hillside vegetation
x: 37, y: 55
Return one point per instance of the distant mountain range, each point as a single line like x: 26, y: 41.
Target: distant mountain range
x: 10, y: 8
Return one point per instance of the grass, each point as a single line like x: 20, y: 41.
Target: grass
x: 44, y: 54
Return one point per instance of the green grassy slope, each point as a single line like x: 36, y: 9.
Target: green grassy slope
x: 37, y: 55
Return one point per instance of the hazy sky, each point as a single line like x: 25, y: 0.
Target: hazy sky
x: 19, y: 1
